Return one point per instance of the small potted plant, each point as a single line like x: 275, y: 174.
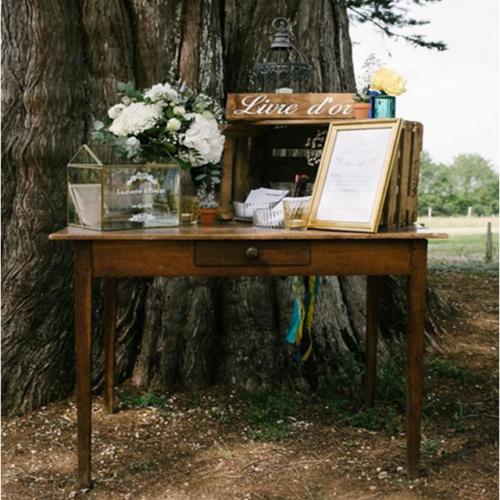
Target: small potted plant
x: 207, y: 180
x: 361, y: 108
x: 364, y: 93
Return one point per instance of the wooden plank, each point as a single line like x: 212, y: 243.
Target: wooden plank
x: 313, y: 106
x: 237, y: 231
x: 226, y: 189
x: 404, y: 176
x: 241, y: 169
x: 143, y: 258
x: 418, y: 133
x: 253, y: 253
x: 388, y: 217
x: 179, y: 258
x: 83, y: 352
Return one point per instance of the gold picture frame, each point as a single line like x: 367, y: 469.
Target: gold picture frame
x: 353, y: 175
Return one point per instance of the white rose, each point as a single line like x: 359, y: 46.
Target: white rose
x: 136, y: 118
x: 115, y: 111
x: 208, y: 115
x: 173, y: 124
x: 179, y: 110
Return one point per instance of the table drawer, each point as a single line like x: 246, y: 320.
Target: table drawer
x: 257, y: 253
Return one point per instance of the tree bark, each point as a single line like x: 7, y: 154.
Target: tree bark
x: 61, y: 61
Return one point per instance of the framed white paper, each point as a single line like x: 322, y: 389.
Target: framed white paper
x: 353, y: 175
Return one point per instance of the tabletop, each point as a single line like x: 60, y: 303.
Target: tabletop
x: 241, y: 231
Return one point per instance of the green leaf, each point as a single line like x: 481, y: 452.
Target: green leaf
x: 129, y: 88
x: 98, y: 125
x: 184, y: 164
x: 121, y: 140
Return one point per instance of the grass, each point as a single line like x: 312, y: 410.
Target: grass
x: 268, y: 413
x: 459, y: 222
x: 344, y: 394
x: 467, y: 238
x: 465, y: 249
x: 445, y: 368
x: 145, y: 400
x: 462, y: 247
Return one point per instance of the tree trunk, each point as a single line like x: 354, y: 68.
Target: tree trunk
x: 61, y: 61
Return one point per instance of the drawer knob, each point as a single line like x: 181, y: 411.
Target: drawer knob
x: 252, y: 252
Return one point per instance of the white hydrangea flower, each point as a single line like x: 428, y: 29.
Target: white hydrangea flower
x: 115, y: 111
x: 204, y: 136
x: 173, y: 124
x: 135, y: 118
x: 161, y: 92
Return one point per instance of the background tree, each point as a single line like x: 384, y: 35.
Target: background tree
x: 470, y: 181
x: 391, y: 17
x: 61, y: 61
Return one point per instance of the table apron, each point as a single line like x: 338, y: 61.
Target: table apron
x: 266, y: 258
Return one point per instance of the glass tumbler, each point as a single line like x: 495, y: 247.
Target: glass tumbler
x: 296, y: 213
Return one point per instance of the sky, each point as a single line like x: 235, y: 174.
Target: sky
x: 455, y: 93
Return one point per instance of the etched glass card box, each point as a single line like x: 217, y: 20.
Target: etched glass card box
x: 120, y: 187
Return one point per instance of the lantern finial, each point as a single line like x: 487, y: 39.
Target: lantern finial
x: 282, y: 65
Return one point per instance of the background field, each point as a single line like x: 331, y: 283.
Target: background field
x: 466, y: 245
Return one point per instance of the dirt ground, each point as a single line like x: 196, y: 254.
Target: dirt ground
x: 201, y: 447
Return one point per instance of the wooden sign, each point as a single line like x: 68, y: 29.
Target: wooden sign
x: 252, y: 107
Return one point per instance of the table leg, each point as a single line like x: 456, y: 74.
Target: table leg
x: 83, y: 351
x: 415, y: 355
x: 109, y: 342
x: 372, y: 309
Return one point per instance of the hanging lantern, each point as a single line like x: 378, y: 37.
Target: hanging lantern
x: 282, y: 67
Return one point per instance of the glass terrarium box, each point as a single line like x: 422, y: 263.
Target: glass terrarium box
x: 120, y: 187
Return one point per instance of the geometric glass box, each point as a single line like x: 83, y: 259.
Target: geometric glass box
x: 120, y: 187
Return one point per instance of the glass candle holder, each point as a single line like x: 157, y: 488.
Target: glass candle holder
x: 296, y: 213
x: 189, y: 209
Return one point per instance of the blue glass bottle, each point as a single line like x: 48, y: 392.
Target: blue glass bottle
x: 384, y: 106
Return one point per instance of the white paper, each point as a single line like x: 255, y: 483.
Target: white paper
x: 353, y: 176
x: 266, y: 195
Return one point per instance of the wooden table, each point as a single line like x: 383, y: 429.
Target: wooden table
x: 238, y: 249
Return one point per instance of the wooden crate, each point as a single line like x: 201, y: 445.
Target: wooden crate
x: 258, y: 154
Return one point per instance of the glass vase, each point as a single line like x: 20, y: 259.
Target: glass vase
x: 384, y: 106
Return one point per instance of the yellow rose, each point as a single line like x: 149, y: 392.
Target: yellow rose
x: 388, y: 81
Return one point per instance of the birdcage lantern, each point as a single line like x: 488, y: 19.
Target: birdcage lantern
x: 282, y: 67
